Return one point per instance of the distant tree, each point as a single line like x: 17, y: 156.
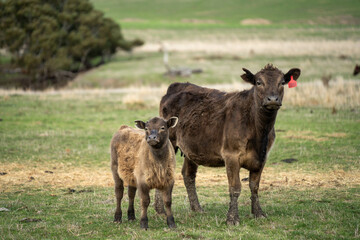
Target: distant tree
x: 52, y: 39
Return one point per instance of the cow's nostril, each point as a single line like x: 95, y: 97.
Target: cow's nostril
x: 273, y: 99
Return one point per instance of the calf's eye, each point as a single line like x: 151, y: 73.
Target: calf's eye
x: 258, y: 83
x: 162, y: 128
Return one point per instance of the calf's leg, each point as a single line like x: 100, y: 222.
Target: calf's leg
x: 145, y: 201
x: 159, y: 204
x: 189, y: 174
x: 233, y: 170
x: 167, y: 201
x: 254, y: 180
x: 119, y: 192
x: 131, y: 211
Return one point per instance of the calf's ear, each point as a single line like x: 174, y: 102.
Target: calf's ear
x: 172, y: 122
x: 248, y: 76
x: 140, y: 124
x: 295, y: 72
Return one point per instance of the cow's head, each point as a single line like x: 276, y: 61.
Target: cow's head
x: 269, y: 85
x: 157, y: 130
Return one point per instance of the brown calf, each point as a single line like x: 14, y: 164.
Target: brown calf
x: 235, y: 130
x: 143, y: 160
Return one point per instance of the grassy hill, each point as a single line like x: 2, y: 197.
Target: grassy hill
x: 229, y: 13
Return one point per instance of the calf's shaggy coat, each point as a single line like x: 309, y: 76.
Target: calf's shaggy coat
x: 143, y: 160
x: 235, y: 130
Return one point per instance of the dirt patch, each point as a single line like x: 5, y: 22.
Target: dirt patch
x: 200, y: 21
x: 67, y: 176
x: 255, y: 21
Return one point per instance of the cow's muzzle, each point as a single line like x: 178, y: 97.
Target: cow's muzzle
x: 272, y: 103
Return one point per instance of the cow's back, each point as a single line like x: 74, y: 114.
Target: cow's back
x: 201, y: 112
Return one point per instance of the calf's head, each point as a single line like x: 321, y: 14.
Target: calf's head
x: 157, y: 130
x: 269, y: 85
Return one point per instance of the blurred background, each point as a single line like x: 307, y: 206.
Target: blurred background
x: 85, y: 44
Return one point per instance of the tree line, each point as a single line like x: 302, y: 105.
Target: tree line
x: 52, y: 40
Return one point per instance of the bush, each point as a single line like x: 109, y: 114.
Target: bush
x: 51, y: 40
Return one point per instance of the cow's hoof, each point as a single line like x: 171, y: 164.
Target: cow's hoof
x: 117, y: 218
x: 144, y: 224
x: 233, y: 220
x: 260, y: 214
x: 197, y: 208
x: 131, y: 215
x: 171, y: 222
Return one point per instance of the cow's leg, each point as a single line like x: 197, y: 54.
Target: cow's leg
x: 254, y: 180
x: 145, y: 201
x: 119, y: 192
x: 131, y: 211
x: 159, y: 204
x: 166, y: 194
x: 189, y: 174
x: 233, y: 171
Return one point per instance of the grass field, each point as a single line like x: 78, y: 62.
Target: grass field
x: 55, y: 178
x: 228, y: 14
x: 321, y: 38
x: 58, y: 185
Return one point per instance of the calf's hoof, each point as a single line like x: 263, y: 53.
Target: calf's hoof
x: 131, y: 215
x: 144, y: 223
x: 171, y: 222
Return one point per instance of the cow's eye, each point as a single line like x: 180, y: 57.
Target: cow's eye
x: 146, y: 129
x: 162, y: 128
x: 258, y: 83
x: 283, y: 82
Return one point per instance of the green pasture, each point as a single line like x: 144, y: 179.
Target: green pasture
x: 72, y: 129
x: 75, y: 129
x: 228, y: 14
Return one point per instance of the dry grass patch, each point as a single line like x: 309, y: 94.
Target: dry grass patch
x: 201, y: 21
x: 311, y: 136
x: 255, y: 21
x: 61, y: 175
x: 304, y: 135
x: 272, y: 48
x: 339, y: 94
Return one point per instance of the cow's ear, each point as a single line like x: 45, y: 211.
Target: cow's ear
x: 172, y: 122
x: 140, y: 124
x: 248, y: 76
x: 295, y: 72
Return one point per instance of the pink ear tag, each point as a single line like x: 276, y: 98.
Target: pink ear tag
x: 292, y: 83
